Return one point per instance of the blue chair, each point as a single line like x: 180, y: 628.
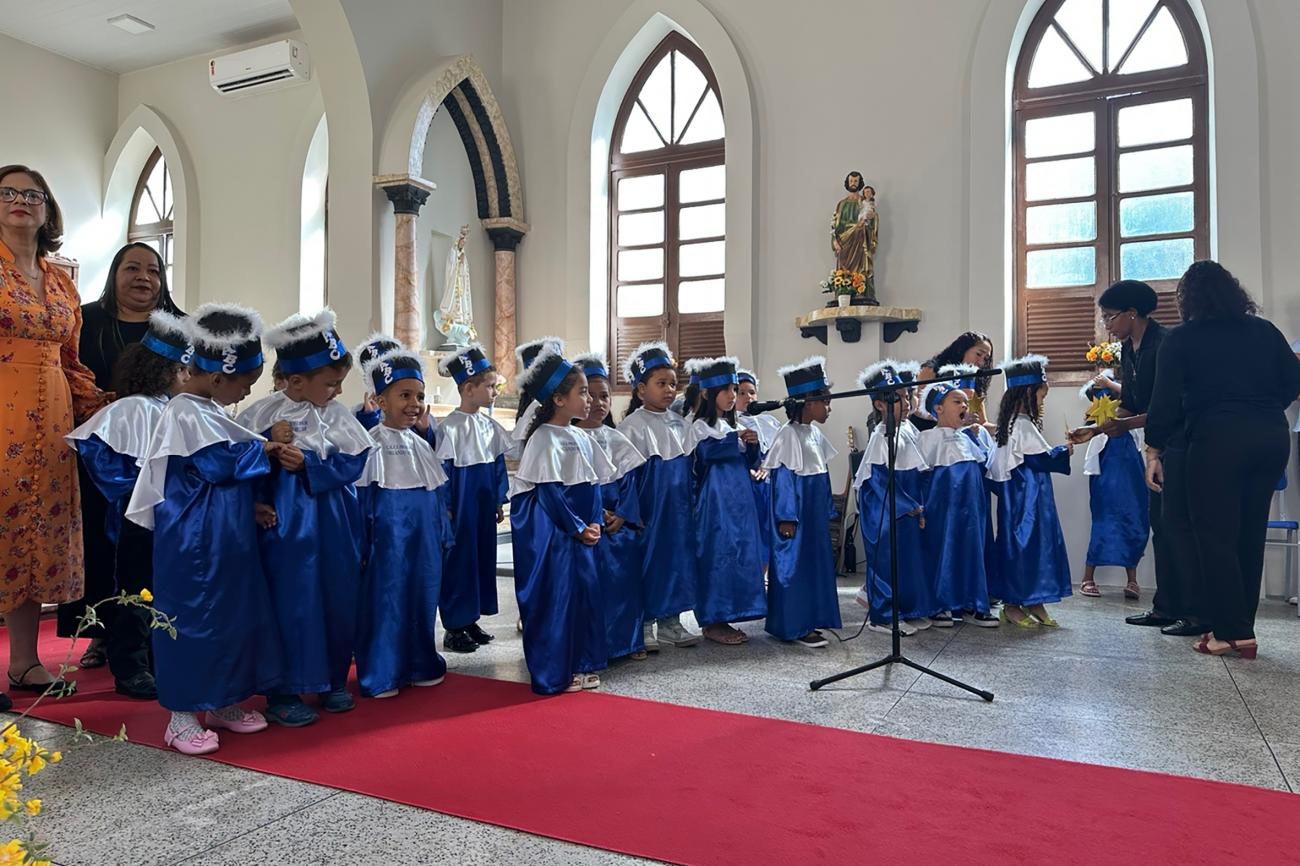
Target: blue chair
x: 1290, y: 539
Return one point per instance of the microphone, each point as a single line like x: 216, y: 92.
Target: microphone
x: 758, y: 408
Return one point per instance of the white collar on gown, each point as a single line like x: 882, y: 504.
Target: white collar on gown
x: 665, y: 435
x: 125, y: 425
x: 563, y: 455
x: 1024, y: 440
x: 801, y: 448
x: 402, y: 460
x: 331, y: 430
x: 470, y: 439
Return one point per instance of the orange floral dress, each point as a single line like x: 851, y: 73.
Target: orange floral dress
x: 43, y: 386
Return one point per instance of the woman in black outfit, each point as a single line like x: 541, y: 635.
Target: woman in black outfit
x: 136, y: 286
x: 1224, y: 380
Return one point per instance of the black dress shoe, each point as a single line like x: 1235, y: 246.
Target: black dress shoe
x: 459, y: 641
x: 1185, y: 628
x: 6, y: 702
x: 480, y: 637
x: 140, y: 686
x: 1150, y: 618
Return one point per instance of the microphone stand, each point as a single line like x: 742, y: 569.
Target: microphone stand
x: 891, y: 398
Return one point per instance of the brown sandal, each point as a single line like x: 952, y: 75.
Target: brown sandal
x: 1132, y: 590
x: 1089, y: 588
x: 724, y: 634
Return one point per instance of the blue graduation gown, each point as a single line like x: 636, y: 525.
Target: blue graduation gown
x: 210, y: 578
x: 469, y: 586
x: 114, y: 475
x: 557, y: 584
x: 370, y: 420
x: 618, y: 561
x: 954, y: 540
x: 668, y: 562
x: 1118, y: 500
x: 1032, y: 564
x: 407, y: 533
x: 801, y: 591
x: 915, y: 593
x: 729, y: 556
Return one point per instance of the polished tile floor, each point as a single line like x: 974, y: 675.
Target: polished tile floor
x: 1097, y: 690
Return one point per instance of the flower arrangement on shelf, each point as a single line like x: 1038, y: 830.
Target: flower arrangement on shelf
x: 1104, y: 355
x: 845, y: 284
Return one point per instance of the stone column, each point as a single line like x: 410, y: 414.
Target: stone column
x: 505, y: 235
x: 408, y: 195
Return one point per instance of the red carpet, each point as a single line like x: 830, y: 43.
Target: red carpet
x: 597, y: 769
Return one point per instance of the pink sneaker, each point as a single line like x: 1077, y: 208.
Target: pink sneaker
x: 193, y: 741
x: 248, y: 722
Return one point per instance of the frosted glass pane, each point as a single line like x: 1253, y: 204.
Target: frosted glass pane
x: 690, y: 84
x: 657, y: 96
x: 703, y: 221
x: 1054, y: 63
x: 1062, y: 178
x: 1155, y: 260
x: 1066, y: 133
x: 1081, y: 21
x: 1160, y: 47
x: 701, y: 296
x: 703, y: 184
x: 636, y: 301
x: 635, y: 193
x: 640, y: 265
x: 1076, y: 266
x: 1154, y: 122
x: 1153, y: 169
x: 1061, y: 223
x: 641, y: 228
x: 638, y: 134
x: 707, y: 125
x: 697, y: 260
x: 1157, y: 214
x: 1126, y: 19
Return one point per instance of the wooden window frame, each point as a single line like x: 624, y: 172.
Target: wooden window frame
x: 670, y: 161
x: 1105, y: 95
x: 164, y: 231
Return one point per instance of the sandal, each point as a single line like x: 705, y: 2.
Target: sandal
x: 56, y: 688
x: 575, y: 685
x: 1027, y: 621
x: 95, y: 656
x: 1089, y: 588
x: 639, y: 656
x: 724, y: 634
x: 1132, y: 590
x: 590, y: 681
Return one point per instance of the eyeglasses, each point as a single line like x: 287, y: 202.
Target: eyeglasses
x: 31, y: 196
x: 1107, y: 318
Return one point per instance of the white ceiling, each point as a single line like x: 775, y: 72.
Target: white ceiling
x: 79, y: 29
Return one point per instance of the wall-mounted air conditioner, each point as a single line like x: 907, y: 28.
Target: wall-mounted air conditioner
x: 257, y: 70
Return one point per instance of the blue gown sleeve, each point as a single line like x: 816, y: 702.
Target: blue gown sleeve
x: 333, y: 472
x: 231, y: 462
x: 503, y: 480
x: 430, y: 435
x: 1057, y: 460
x: 551, y: 497
x: 785, y: 496
x: 629, y: 504
x: 369, y: 420
x: 114, y: 474
x: 448, y: 490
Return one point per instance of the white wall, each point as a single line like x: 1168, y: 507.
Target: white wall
x: 61, y: 116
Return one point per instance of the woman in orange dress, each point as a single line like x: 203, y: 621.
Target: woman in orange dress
x: 44, y: 391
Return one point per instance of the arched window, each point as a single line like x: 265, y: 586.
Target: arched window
x: 1111, y: 163
x: 153, y: 210
x: 667, y: 208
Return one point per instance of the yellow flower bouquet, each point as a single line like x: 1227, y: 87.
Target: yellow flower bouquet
x: 1104, y: 355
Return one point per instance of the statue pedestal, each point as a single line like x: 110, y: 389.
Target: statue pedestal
x: 849, y: 322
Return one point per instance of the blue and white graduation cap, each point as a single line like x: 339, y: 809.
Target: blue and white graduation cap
x: 933, y: 394
x: 544, y: 375
x: 1091, y: 392
x: 743, y: 375
x: 878, y: 375
x: 375, y: 345
x: 593, y: 364
x: 1026, y: 371
x: 168, y: 337
x: 526, y: 353
x: 392, y: 366
x: 968, y: 372
x: 465, y: 363
x: 713, y: 372
x: 227, y: 338
x: 907, y: 371
x: 306, y: 343
x: 807, y: 379
x: 646, y: 357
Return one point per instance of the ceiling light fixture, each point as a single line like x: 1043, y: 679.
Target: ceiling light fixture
x: 131, y: 24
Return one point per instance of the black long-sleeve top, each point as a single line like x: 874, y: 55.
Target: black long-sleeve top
x: 1238, y: 367
x: 103, y: 339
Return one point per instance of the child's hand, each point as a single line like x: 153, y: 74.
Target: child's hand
x: 1069, y: 448
x: 759, y: 475
x: 749, y: 437
x: 272, y: 449
x: 369, y: 403
x: 613, y: 523
x: 282, y: 431
x: 786, y: 529
x: 264, y: 515
x: 590, y: 535
x: 422, y: 422
x: 501, y: 514
x: 291, y: 458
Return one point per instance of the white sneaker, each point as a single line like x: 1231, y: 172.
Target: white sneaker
x: 424, y: 683
x: 903, y: 628
x: 672, y: 632
x: 648, y: 635
x: 391, y: 693
x: 812, y: 640
x: 919, y: 624
x: 982, y: 620
x: 862, y: 598
x: 942, y: 620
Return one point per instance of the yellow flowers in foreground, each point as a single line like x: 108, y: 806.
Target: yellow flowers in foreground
x: 146, y: 596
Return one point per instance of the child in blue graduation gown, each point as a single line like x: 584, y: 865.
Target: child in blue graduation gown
x: 664, y: 492
x: 1033, y: 569
x: 801, y: 591
x: 525, y: 354
x: 916, y: 600
x: 618, y: 554
x: 473, y: 448
x: 729, y: 561
x: 1117, y: 498
x: 407, y: 533
x: 367, y: 412
x: 312, y: 555
x: 555, y: 520
x: 956, y: 505
x: 766, y: 426
x: 196, y: 491
x: 110, y: 444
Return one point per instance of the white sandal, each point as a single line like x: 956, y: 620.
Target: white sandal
x: 590, y: 681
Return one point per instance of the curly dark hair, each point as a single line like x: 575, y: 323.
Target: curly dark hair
x: 1209, y: 291
x: 1022, y: 400
x: 546, y: 408
x: 955, y: 353
x: 862, y: 183
x: 140, y: 371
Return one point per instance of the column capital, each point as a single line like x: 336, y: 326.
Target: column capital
x: 407, y: 193
x: 505, y: 232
